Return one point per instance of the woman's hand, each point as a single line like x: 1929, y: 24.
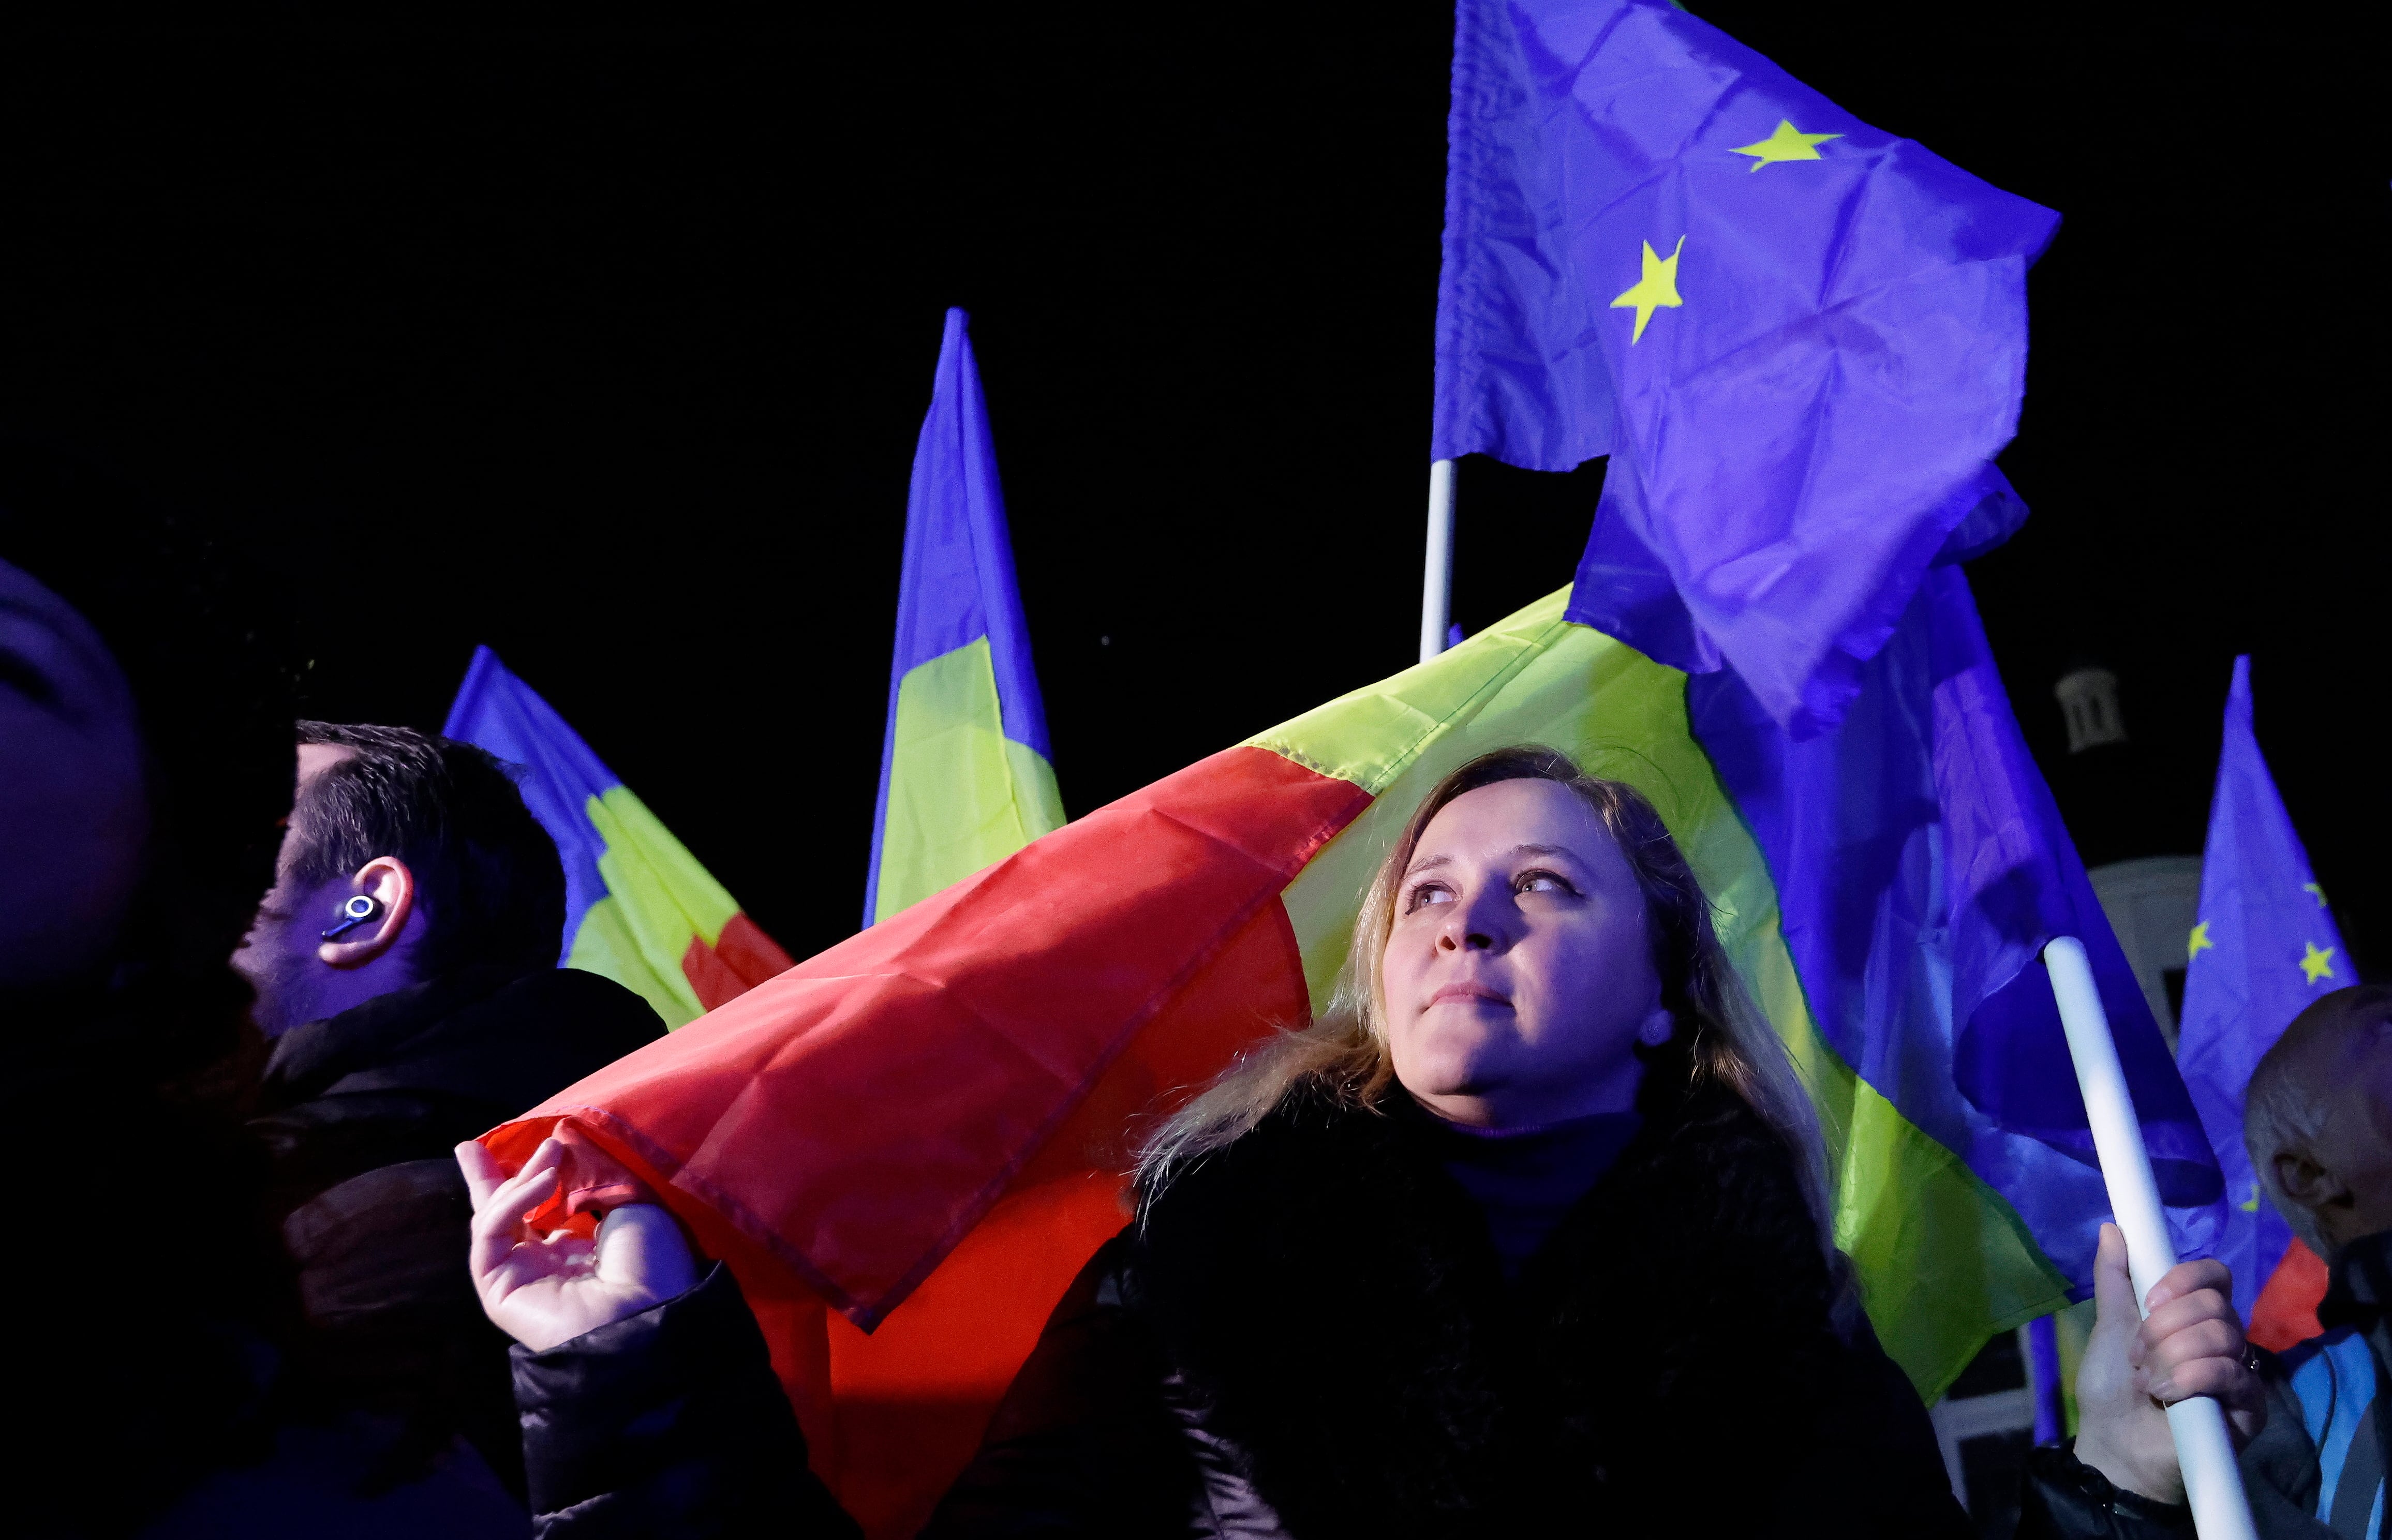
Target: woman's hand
x: 543, y: 1289
x: 2190, y: 1345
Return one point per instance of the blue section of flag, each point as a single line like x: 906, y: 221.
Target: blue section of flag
x: 957, y: 582
x: 1921, y: 866
x: 1800, y: 340
x: 557, y: 772
x: 2265, y: 947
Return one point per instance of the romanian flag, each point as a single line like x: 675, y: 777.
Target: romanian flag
x: 907, y: 1146
x: 638, y: 907
x: 966, y: 777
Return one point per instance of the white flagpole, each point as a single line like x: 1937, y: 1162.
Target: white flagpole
x: 1437, y: 580
x: 2213, y: 1481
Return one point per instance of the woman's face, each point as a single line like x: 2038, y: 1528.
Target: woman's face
x: 1519, y: 975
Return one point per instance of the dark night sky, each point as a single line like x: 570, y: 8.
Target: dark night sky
x: 608, y: 347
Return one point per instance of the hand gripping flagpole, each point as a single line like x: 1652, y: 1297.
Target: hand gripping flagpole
x: 1436, y: 580
x: 2213, y: 1482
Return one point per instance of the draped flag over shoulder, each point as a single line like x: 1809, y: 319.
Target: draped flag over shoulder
x: 638, y: 907
x: 2264, y: 947
x: 907, y: 1146
x: 965, y: 774
x: 1800, y: 340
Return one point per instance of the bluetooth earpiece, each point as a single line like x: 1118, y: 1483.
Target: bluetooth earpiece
x: 360, y: 908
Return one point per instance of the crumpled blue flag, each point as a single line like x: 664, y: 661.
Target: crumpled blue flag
x: 2265, y: 946
x: 1800, y: 340
x: 1921, y: 864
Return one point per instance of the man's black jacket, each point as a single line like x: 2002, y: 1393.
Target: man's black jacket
x: 359, y: 1114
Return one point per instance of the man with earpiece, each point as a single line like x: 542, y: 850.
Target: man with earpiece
x: 405, y: 970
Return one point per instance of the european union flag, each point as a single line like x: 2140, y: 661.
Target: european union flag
x: 966, y: 777
x: 1800, y: 340
x: 2265, y: 947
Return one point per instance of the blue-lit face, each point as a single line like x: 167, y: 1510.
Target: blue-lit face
x: 1518, y: 973
x: 282, y: 954
x: 74, y: 815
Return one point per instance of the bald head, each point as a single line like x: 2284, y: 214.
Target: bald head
x: 2318, y: 1119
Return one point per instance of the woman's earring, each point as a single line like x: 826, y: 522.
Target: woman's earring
x: 1657, y: 1030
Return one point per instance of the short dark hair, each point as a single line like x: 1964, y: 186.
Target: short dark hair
x: 485, y: 871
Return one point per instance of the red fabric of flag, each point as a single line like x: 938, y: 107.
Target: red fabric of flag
x: 946, y: 1103
x: 2285, y: 1312
x: 853, y: 1118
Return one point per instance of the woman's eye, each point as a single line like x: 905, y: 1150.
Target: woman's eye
x: 1429, y: 893
x: 1542, y: 881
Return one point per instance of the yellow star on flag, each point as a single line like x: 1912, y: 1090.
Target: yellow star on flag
x: 2317, y: 964
x: 1787, y: 144
x: 1656, y: 289
x: 2314, y: 888
x: 2201, y: 942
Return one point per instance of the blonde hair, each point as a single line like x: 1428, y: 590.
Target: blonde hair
x: 2285, y: 1109
x: 1721, y: 1038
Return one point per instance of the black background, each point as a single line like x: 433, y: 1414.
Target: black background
x: 607, y: 347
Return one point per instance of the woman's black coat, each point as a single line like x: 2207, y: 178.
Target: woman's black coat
x: 1309, y: 1334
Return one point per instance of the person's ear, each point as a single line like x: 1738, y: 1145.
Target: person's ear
x: 387, y: 880
x: 2309, y: 1185
x: 1656, y: 1028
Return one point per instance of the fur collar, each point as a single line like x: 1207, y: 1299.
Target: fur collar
x: 1331, y: 1296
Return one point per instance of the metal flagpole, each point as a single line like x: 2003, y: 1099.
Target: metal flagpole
x: 2213, y: 1482
x: 1437, y: 580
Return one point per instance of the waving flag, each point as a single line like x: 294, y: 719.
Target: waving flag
x: 1921, y: 865
x: 2265, y: 946
x: 1800, y: 340
x: 965, y: 774
x: 638, y: 907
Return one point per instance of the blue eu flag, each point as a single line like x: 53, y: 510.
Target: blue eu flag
x: 2265, y: 947
x: 1799, y: 339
